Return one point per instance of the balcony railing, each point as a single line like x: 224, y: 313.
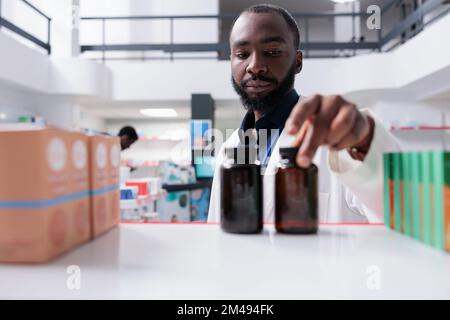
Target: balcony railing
x: 408, y: 25
x: 7, y: 24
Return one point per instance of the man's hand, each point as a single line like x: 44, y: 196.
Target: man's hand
x: 329, y: 120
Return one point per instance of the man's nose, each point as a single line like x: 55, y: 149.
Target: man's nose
x: 256, y: 65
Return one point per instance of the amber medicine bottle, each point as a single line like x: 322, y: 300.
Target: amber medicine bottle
x: 296, y: 194
x: 241, y: 191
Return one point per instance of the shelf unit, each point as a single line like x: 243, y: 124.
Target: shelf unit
x: 144, y: 207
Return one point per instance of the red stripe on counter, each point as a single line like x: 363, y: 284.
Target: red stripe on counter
x: 266, y: 223
x: 351, y: 224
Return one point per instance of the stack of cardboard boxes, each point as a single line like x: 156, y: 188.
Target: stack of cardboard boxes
x: 104, y: 162
x: 58, y: 189
x: 417, y: 196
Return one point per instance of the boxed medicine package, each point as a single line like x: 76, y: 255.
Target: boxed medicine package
x: 104, y: 163
x: 417, y: 196
x: 46, y: 191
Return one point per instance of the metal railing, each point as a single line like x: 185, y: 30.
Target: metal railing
x: 26, y: 35
x: 400, y: 31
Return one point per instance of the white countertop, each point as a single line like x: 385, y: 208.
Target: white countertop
x: 199, y: 261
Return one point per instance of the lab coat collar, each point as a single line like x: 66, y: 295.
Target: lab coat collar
x: 274, y: 119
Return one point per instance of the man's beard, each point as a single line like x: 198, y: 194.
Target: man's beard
x: 268, y: 102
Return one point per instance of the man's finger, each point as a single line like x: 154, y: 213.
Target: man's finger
x: 301, y: 112
x: 358, y: 131
x: 314, y: 137
x: 320, y: 128
x: 346, y: 142
x: 300, y: 136
x: 304, y: 160
x: 342, y: 124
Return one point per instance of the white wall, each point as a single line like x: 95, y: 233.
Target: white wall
x: 171, y: 139
x: 414, y: 63
x: 32, y: 70
x: 87, y: 120
x: 57, y: 111
x: 33, y: 84
x: 411, y: 66
x: 162, y: 129
x: 403, y: 112
x: 174, y: 81
x: 15, y: 103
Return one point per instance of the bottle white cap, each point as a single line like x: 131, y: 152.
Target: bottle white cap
x: 286, y: 141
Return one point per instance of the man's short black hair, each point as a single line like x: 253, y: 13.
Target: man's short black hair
x: 130, y: 132
x: 270, y: 8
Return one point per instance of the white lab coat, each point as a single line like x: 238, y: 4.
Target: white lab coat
x: 349, y: 190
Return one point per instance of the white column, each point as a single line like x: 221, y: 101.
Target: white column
x: 75, y: 28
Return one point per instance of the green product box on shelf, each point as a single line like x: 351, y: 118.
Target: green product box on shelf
x: 441, y: 183
x: 406, y: 200
x: 391, y: 192
x: 427, y: 211
x: 433, y: 204
x: 417, y: 195
x: 397, y: 173
x: 417, y: 198
x: 388, y: 196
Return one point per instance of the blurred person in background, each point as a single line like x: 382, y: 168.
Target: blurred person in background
x: 128, y: 136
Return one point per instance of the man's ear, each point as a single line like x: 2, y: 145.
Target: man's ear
x: 298, y: 61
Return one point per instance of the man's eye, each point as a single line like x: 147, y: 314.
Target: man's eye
x: 273, y: 53
x: 241, y: 55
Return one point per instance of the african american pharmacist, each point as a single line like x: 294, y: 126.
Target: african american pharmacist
x: 343, y: 140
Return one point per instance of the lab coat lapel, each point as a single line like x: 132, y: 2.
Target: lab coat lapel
x: 269, y: 180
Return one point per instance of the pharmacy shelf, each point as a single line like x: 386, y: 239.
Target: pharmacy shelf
x: 153, y: 197
x: 199, y: 261
x: 207, y: 183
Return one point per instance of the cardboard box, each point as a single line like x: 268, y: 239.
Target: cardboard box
x: 114, y: 180
x: 104, y: 162
x: 79, y: 169
x: 141, y: 184
x: 43, y: 193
